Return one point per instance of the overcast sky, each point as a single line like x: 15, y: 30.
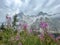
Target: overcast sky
x: 28, y: 7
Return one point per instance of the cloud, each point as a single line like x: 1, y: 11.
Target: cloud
x: 56, y: 9
x: 50, y: 2
x: 28, y: 6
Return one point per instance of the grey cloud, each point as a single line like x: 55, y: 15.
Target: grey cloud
x: 29, y: 6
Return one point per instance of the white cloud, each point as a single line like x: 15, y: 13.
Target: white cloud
x: 50, y: 2
x: 8, y: 2
x: 55, y: 9
x: 13, y: 2
x: 30, y: 6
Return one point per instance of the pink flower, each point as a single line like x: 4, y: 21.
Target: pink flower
x: 17, y: 37
x: 19, y: 24
x: 20, y: 44
x: 42, y: 36
x: 43, y: 24
x: 25, y: 26
x: 58, y: 38
x: 31, y: 30
x: 52, y: 36
x: 8, y: 17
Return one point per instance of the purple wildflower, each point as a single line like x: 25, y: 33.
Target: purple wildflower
x: 31, y: 30
x: 58, y: 38
x: 43, y: 24
x: 8, y: 17
x: 24, y: 26
x: 17, y: 37
x: 20, y: 44
x: 42, y: 36
x: 52, y: 36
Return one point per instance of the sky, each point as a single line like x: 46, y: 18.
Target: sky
x: 29, y: 7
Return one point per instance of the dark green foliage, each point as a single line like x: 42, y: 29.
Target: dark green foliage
x: 24, y: 37
x: 14, y: 20
x: 0, y: 37
x: 2, y: 27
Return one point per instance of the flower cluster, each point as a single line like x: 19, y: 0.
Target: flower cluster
x: 43, y: 24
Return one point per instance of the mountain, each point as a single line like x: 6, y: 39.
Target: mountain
x: 34, y: 20
x: 28, y: 19
x: 53, y: 24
